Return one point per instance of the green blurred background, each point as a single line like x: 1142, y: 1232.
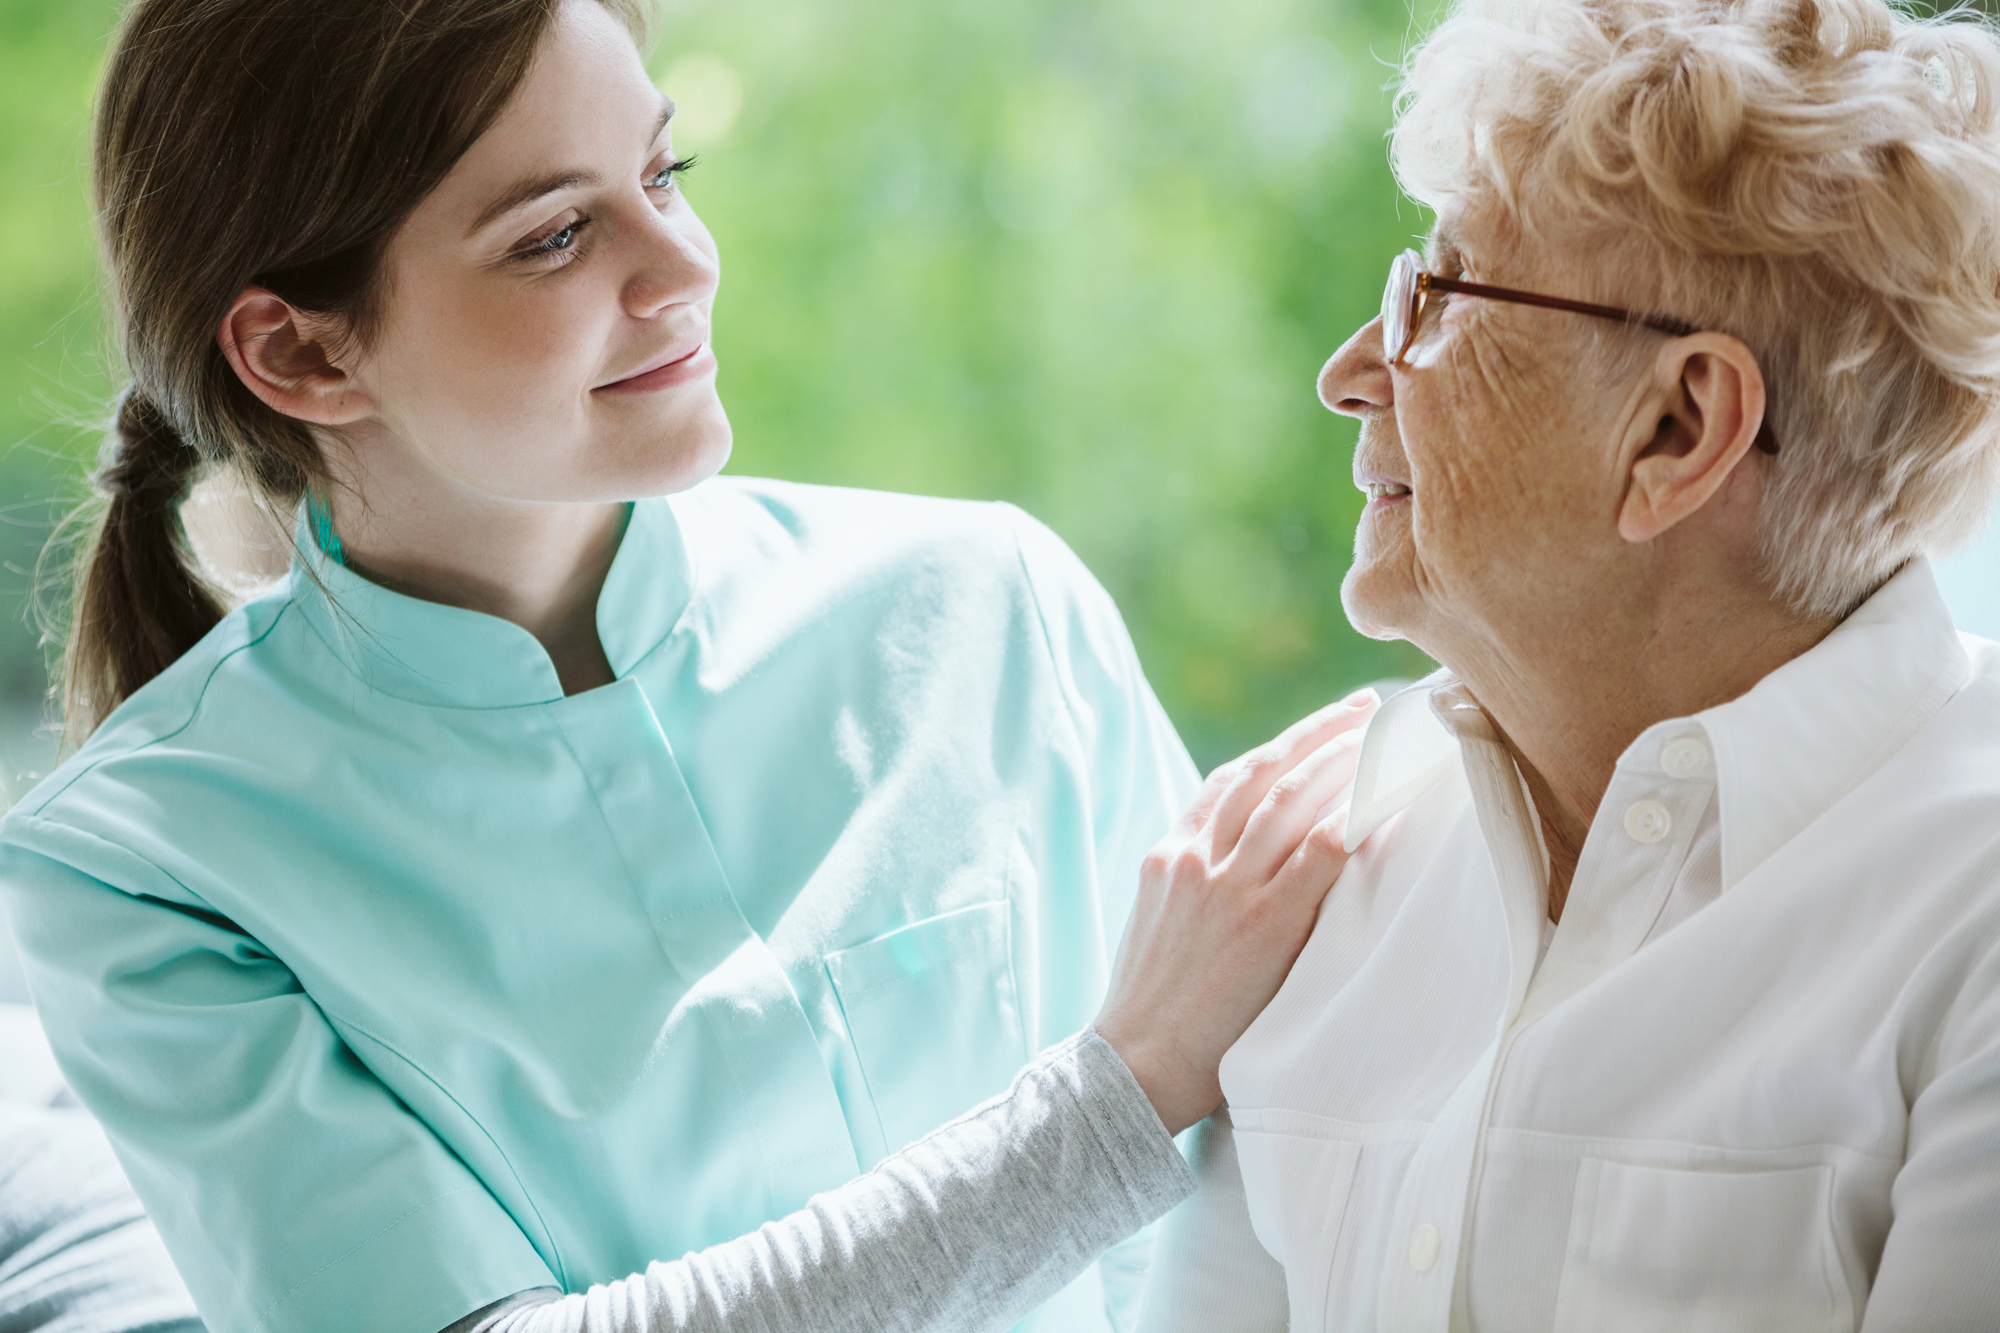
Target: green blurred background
x: 1084, y: 255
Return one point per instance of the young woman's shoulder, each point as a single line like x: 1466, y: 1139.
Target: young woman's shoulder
x: 927, y: 574
x: 746, y: 527
x: 166, y: 706
x: 775, y: 515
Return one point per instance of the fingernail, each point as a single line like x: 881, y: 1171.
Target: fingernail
x: 1365, y: 695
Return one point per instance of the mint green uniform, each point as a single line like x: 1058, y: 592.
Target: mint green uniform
x: 403, y: 982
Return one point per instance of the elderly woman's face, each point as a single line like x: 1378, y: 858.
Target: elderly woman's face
x: 1487, y: 453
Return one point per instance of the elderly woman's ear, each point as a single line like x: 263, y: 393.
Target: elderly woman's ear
x: 1696, y: 424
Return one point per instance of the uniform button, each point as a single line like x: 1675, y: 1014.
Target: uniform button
x: 1425, y: 1242
x: 1648, y: 821
x: 1684, y: 757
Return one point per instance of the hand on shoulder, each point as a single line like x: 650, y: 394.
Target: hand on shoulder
x: 1226, y: 902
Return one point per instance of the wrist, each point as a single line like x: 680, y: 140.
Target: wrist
x: 1180, y: 1094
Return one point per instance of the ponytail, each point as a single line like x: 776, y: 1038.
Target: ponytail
x: 139, y: 601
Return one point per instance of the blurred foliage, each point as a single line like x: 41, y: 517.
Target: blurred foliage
x: 53, y: 372
x: 1084, y: 255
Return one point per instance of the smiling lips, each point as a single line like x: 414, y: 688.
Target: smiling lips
x: 679, y: 364
x: 1380, y: 491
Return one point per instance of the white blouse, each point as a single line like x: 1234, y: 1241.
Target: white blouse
x: 1749, y: 1084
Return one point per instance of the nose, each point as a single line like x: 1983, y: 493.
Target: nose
x: 1355, y: 380
x: 674, y: 263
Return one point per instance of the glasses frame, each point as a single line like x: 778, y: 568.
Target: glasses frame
x: 1407, y: 272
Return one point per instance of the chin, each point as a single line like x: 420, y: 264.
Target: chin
x: 713, y: 458
x: 685, y: 457
x: 1377, y: 600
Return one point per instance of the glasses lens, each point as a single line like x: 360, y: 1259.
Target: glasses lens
x: 1398, y: 302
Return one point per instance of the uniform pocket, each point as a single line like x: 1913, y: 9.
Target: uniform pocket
x: 1655, y: 1250
x: 1297, y: 1187
x: 934, y: 1015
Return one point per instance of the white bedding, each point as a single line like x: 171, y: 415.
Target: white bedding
x: 77, y: 1254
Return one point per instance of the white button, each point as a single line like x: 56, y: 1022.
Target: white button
x: 1684, y: 757
x: 1425, y: 1243
x: 1648, y: 821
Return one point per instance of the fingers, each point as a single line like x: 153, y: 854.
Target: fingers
x: 1294, y: 805
x: 1309, y: 873
x: 1250, y: 779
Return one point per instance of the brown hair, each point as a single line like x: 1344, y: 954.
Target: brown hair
x: 278, y: 143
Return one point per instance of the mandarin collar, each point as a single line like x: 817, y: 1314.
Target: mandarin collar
x: 1785, y: 751
x: 430, y: 653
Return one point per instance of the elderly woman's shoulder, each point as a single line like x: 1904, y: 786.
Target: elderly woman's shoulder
x: 1969, y: 722
x: 1941, y: 790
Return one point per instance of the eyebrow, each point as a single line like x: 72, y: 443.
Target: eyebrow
x: 530, y: 188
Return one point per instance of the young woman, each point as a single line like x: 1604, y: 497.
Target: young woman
x: 555, y: 888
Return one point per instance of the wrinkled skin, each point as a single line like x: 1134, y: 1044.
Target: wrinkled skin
x: 1579, y: 541
x: 1513, y: 460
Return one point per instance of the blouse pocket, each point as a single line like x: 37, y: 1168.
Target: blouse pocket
x: 1297, y: 1187
x: 934, y: 1015
x: 1656, y: 1250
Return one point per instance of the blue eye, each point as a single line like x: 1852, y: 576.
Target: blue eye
x: 558, y: 244
x: 664, y: 179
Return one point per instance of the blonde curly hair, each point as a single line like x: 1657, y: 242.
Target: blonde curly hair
x: 1819, y: 178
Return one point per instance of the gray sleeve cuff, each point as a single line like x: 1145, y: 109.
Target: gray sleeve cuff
x: 1136, y: 1144
x: 969, y: 1228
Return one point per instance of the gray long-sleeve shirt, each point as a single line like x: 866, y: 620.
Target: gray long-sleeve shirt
x: 968, y: 1228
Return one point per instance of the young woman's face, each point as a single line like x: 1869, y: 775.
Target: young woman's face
x: 547, y: 308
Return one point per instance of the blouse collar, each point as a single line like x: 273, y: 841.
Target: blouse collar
x: 430, y: 653
x: 1785, y: 752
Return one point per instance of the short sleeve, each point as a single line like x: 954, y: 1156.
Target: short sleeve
x: 293, y: 1190
x: 1140, y: 775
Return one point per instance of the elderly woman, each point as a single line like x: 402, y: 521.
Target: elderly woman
x: 1667, y: 995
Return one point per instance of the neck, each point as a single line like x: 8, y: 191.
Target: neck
x: 1570, y: 697
x: 541, y: 566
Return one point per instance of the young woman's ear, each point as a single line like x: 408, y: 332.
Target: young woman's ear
x: 1705, y: 421
x: 282, y: 355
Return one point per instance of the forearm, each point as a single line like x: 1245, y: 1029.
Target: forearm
x: 970, y: 1227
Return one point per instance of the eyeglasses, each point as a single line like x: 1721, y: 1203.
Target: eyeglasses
x: 1410, y: 286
